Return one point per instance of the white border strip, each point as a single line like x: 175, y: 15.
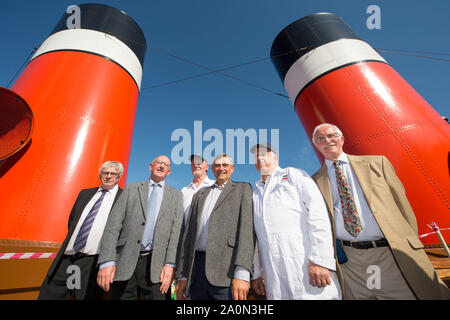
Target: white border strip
x: 323, y: 59
x: 97, y: 43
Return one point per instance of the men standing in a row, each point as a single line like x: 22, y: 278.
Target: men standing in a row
x: 375, y: 223
x: 139, y: 245
x: 294, y: 238
x: 81, y: 247
x: 199, y: 169
x: 216, y: 253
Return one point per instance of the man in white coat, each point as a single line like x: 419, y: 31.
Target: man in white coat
x: 295, y: 254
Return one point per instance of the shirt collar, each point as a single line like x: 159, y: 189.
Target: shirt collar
x: 112, y: 190
x: 160, y: 184
x: 223, y: 185
x: 343, y: 158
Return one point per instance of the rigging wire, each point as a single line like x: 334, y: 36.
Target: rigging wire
x: 412, y: 53
x: 21, y: 67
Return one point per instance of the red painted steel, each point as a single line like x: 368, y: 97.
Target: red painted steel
x: 84, y: 107
x: 380, y: 113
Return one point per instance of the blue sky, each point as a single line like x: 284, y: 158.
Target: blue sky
x: 219, y: 34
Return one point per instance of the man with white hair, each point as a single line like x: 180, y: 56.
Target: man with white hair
x: 295, y: 255
x: 375, y: 224
x: 87, y: 222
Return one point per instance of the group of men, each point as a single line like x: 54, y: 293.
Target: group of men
x: 347, y: 232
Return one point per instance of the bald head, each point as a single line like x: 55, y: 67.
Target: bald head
x: 160, y: 168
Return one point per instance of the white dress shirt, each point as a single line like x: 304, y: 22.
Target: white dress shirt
x: 189, y: 191
x: 96, y: 232
x: 371, y: 230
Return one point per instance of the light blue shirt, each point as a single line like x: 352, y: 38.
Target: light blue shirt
x: 159, y: 189
x: 371, y: 230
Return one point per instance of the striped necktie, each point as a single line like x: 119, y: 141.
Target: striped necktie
x: 83, y: 233
x: 352, y: 222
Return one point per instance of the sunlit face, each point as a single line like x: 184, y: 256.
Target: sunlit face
x: 160, y: 168
x: 265, y: 161
x: 329, y: 142
x: 222, y: 169
x: 199, y: 166
x: 109, y: 177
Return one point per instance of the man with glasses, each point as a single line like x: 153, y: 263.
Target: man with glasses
x: 216, y: 252
x: 74, y: 270
x: 139, y: 245
x: 375, y: 224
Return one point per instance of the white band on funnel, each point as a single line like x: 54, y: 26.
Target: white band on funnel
x: 97, y: 43
x: 323, y: 59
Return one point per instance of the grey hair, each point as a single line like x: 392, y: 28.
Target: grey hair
x: 223, y: 155
x: 112, y: 164
x: 338, y: 131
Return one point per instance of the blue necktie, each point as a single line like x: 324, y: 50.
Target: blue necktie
x: 147, y: 237
x: 83, y: 233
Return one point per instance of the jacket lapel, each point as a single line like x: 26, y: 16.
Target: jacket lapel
x: 201, y: 202
x: 323, y: 182
x: 143, y: 195
x: 229, y: 186
x: 83, y: 201
x: 361, y: 167
x: 164, y: 202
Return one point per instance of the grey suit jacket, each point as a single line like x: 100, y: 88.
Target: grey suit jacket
x: 231, y: 239
x: 121, y: 241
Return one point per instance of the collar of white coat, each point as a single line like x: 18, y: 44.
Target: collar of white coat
x: 259, y: 183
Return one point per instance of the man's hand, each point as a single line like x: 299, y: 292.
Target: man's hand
x: 239, y: 289
x: 180, y: 289
x: 258, y: 286
x: 166, y: 278
x: 318, y: 276
x: 105, y: 277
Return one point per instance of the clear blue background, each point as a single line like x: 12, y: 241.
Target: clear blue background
x: 223, y: 33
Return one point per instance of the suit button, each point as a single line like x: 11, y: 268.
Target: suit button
x: 139, y: 241
x: 143, y: 223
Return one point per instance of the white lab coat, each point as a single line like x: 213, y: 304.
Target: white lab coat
x: 292, y: 227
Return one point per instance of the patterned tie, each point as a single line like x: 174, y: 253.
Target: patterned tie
x: 352, y: 222
x: 83, y: 233
x: 149, y: 230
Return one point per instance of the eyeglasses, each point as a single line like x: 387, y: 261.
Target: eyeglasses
x: 161, y: 163
x: 330, y: 136
x: 114, y: 174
